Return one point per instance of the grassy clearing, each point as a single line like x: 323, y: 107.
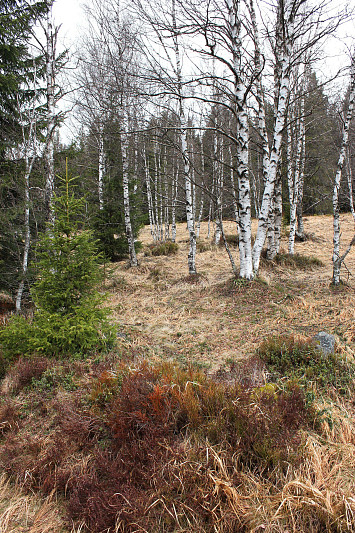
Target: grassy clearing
x: 214, y: 412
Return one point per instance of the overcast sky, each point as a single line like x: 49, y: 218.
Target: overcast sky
x: 70, y: 15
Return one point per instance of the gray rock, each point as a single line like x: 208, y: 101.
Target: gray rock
x: 325, y: 342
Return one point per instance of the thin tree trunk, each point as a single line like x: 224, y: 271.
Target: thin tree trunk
x: 242, y: 129
x: 232, y: 262
x: 190, y: 214
x: 350, y: 183
x: 173, y: 203
x: 234, y: 194
x: 126, y: 203
x: 149, y: 197
x: 278, y: 211
x: 200, y: 215
x: 300, y: 225
x: 218, y: 181
x: 166, y: 198
x: 283, y: 85
x: 294, y: 183
x: 51, y: 38
x: 210, y: 212
x: 101, y: 167
x: 29, y: 142
x: 26, y: 250
x: 156, y: 182
x: 202, y: 197
x: 337, y: 259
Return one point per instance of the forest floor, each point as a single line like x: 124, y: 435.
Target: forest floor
x: 211, y: 321
x: 216, y: 319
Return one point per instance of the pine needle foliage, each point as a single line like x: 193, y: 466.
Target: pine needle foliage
x: 69, y: 318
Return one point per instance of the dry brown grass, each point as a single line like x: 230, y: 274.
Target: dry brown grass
x: 20, y: 512
x: 214, y: 320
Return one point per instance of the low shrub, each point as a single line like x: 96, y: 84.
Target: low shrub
x: 155, y: 274
x: 162, y: 248
x: 192, y: 279
x: 159, y: 447
x: 232, y: 240
x: 58, y: 334
x: 26, y: 370
x: 9, y: 417
x: 53, y: 377
x: 301, y: 262
x: 303, y: 360
x: 203, y: 246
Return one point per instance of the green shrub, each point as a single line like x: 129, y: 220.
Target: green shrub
x: 303, y: 360
x: 203, y: 246
x: 232, y: 240
x: 302, y: 262
x: 163, y: 248
x: 54, y: 377
x: 68, y: 317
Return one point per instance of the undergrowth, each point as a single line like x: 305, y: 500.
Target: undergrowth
x: 298, y: 261
x: 305, y: 361
x: 162, y: 248
x: 159, y: 447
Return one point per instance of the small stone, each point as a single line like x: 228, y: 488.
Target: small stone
x: 325, y: 342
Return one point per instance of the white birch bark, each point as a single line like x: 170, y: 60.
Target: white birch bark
x: 202, y: 197
x: 26, y: 251
x: 158, y: 162
x: 174, y: 187
x: 156, y: 184
x: 337, y: 259
x: 190, y: 214
x: 234, y: 194
x: 166, y: 199
x: 101, y: 164
x: 294, y: 181
x: 300, y: 224
x: 218, y: 181
x: 149, y: 197
x: 260, y: 96
x: 278, y: 212
x: 200, y: 215
x: 29, y: 148
x: 280, y: 118
x: 126, y: 204
x: 210, y: 212
x: 350, y: 184
x: 244, y: 207
x: 51, y: 42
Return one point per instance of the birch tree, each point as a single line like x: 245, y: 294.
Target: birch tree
x: 51, y: 34
x: 109, y: 61
x: 296, y: 168
x: 284, y: 46
x: 190, y: 212
x: 54, y: 65
x: 28, y: 120
x: 164, y: 70
x: 337, y: 258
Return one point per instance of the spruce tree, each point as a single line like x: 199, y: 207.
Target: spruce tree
x: 68, y: 318
x: 17, y: 18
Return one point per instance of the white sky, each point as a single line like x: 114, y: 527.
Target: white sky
x: 70, y: 15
